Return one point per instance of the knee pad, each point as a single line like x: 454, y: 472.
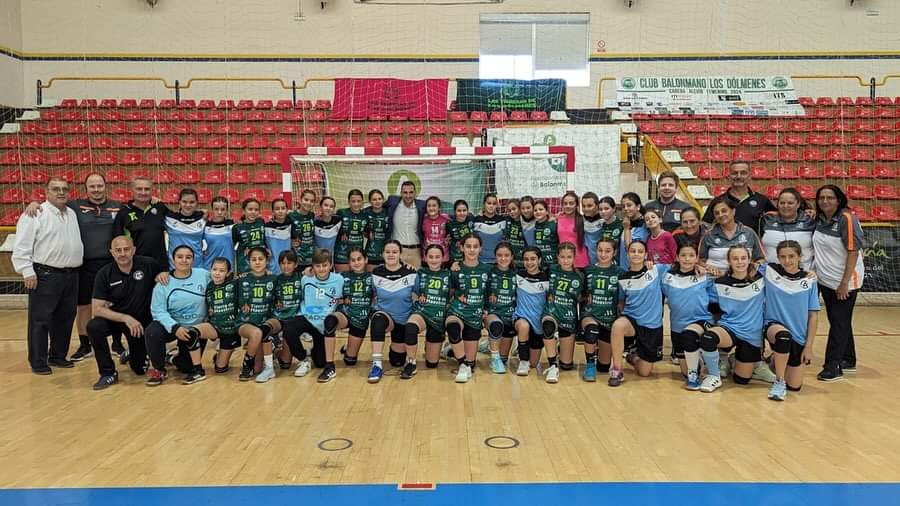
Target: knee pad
x: 566, y: 366
x: 740, y: 380
x: 794, y: 389
x: 350, y: 361
x: 591, y: 333
x: 549, y: 327
x: 709, y: 341
x: 535, y: 342
x: 331, y: 323
x: 193, y: 343
x: 690, y: 340
x: 782, y: 342
x: 411, y: 336
x: 396, y: 358
x: 266, y: 331
x: 431, y: 365
x: 379, y: 326
x: 454, y: 332
x: 495, y: 329
x: 602, y: 368
x: 433, y: 335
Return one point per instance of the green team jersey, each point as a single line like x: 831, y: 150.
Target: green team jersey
x: 288, y: 295
x: 613, y: 231
x: 435, y: 287
x: 472, y: 283
x: 378, y: 225
x: 562, y: 297
x: 546, y: 240
x: 359, y: 290
x: 455, y: 232
x: 353, y: 234
x: 601, y: 288
x: 303, y: 230
x: 516, y: 238
x: 246, y: 236
x: 221, y: 303
x: 256, y: 295
x: 502, y: 287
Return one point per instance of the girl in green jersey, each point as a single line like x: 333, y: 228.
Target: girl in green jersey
x: 466, y: 311
x: 560, y: 319
x: 250, y: 233
x: 354, y: 226
x: 501, y: 303
x: 457, y: 228
x: 257, y: 290
x: 430, y: 299
x: 600, y: 309
x: 222, y: 304
x: 303, y: 228
x: 354, y: 311
x: 379, y: 222
x: 545, y: 237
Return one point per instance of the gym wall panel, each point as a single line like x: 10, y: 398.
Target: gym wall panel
x: 11, y: 89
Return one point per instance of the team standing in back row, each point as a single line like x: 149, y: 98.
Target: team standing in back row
x: 401, y: 267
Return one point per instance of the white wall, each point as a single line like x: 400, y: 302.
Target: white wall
x: 267, y: 27
x: 11, y: 91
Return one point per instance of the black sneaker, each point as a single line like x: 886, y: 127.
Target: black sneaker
x: 246, y: 372
x: 409, y: 370
x: 829, y: 374
x: 106, y: 381
x: 118, y: 348
x: 84, y: 351
x: 42, y: 371
x: 124, y: 357
x: 327, y: 375
x: 170, y: 356
x: 61, y: 363
x: 848, y: 366
x: 284, y: 365
x: 196, y: 376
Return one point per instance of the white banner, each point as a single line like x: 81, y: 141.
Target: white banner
x: 596, y: 160
x: 718, y: 95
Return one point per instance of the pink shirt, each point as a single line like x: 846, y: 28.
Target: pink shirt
x: 565, y: 229
x: 662, y: 249
x: 433, y: 232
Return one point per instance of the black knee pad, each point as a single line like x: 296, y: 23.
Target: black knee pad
x: 602, y: 368
x: 549, y: 327
x: 690, y: 340
x: 331, y: 323
x: 396, y: 358
x: 350, y: 361
x: 454, y: 332
x: 266, y: 331
x: 782, y: 342
x: 471, y: 334
x: 794, y: 389
x: 431, y: 365
x: 709, y: 341
x: 380, y: 324
x: 591, y: 333
x: 495, y: 329
x: 740, y: 380
x: 411, y: 336
x: 566, y: 366
x: 433, y: 335
x: 193, y: 342
x: 535, y: 342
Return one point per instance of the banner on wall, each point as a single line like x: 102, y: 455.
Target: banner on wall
x: 510, y: 95
x: 449, y: 182
x: 357, y: 99
x: 881, y: 257
x: 596, y: 160
x: 718, y: 95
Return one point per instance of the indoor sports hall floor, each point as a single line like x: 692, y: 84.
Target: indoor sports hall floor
x: 648, y: 442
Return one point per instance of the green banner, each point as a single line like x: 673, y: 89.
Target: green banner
x: 510, y: 95
x: 447, y: 181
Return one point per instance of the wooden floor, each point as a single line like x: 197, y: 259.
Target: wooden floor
x: 56, y: 432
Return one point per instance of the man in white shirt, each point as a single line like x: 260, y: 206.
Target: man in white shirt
x: 47, y: 253
x: 406, y: 213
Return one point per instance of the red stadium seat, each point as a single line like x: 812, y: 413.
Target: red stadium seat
x: 806, y: 101
x: 786, y: 172
x: 857, y: 154
x: 254, y: 193
x: 694, y: 155
x: 882, y: 139
x: 214, y: 176
x: 238, y: 176
x: 202, y: 158
x: 858, y: 191
x: 859, y: 171
x: 883, y: 172
x: 59, y: 158
x: 415, y: 141
x: 761, y: 172
x: 719, y: 189
x: 836, y: 171
x: 709, y: 173
x: 107, y: 158
x: 170, y: 196
x: 38, y: 194
x: 13, y: 195
x: 705, y: 140
x: 438, y: 141
x: 225, y: 158
x: 864, y: 101
x: 284, y: 104
x: 764, y: 155
x: 189, y: 176
x: 68, y: 102
x: 810, y: 172
x: 885, y: 191
x: 204, y: 195
x: 232, y: 195
x: 500, y: 116
x: 773, y: 190
x: 266, y: 176
x: 374, y: 128
x: 249, y: 158
x: 735, y: 126
x: 835, y: 154
x: 728, y: 140
x: 131, y: 158
x: 692, y: 127
x: 682, y: 140
x: 437, y: 129
x: 518, y: 116
x: 884, y: 213
x: 10, y: 217
x: 393, y: 142
x: 478, y: 116
x: 807, y: 191
x: 10, y: 176
x: 304, y: 104
x: 272, y: 158
x: 372, y: 142
x: 719, y: 155
x: 793, y: 139
x: 813, y: 155
x: 458, y: 116
x: 323, y: 104
x: 539, y: 116
x: 237, y: 142
x: 88, y: 102
x: 660, y: 140
x: 885, y: 154
x: 741, y: 154
x: 165, y: 176
x: 749, y: 139
x: 461, y: 129
x: 646, y: 127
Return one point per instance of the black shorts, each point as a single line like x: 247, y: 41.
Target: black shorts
x: 744, y: 351
x: 228, y: 340
x: 432, y: 334
x: 470, y: 333
x: 398, y: 334
x: 649, y: 341
x: 86, y: 274
x: 535, y: 340
x: 355, y: 331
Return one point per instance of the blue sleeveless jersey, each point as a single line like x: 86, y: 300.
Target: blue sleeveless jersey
x: 320, y: 298
x: 642, y: 294
x: 528, y: 232
x: 531, y: 296
x: 278, y: 239
x: 742, y: 304
x: 217, y: 237
x: 393, y: 290
x: 687, y: 295
x: 186, y: 231
x: 326, y: 234
x: 593, y: 231
x: 789, y: 299
x: 491, y: 231
x: 637, y: 234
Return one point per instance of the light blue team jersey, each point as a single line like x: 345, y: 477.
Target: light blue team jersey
x: 393, y: 292
x: 185, y: 231
x: 320, y: 298
x: 326, y: 234
x: 182, y: 301
x: 278, y: 239
x: 531, y: 296
x: 688, y: 298
x: 217, y: 237
x: 491, y: 230
x: 789, y: 299
x: 637, y: 234
x: 642, y: 294
x: 593, y: 231
x: 528, y: 232
x: 742, y: 304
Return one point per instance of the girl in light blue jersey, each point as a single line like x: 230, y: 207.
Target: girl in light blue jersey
x: 278, y: 234
x: 490, y: 227
x: 633, y: 228
x: 328, y: 226
x: 185, y: 226
x: 217, y: 234
x: 532, y: 284
x: 394, y: 286
x: 791, y: 317
x: 593, y: 224
x: 526, y: 216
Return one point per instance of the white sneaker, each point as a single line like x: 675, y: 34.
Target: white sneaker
x: 763, y: 373
x: 464, y: 374
x: 445, y: 351
x: 303, y: 369
x: 710, y: 383
x: 523, y: 368
x: 552, y: 374
x: 265, y: 375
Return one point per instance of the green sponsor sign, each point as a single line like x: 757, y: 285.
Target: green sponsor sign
x: 510, y: 95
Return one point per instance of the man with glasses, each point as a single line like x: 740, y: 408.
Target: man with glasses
x: 47, y: 253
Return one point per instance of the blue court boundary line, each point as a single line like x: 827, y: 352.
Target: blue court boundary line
x: 570, y: 494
